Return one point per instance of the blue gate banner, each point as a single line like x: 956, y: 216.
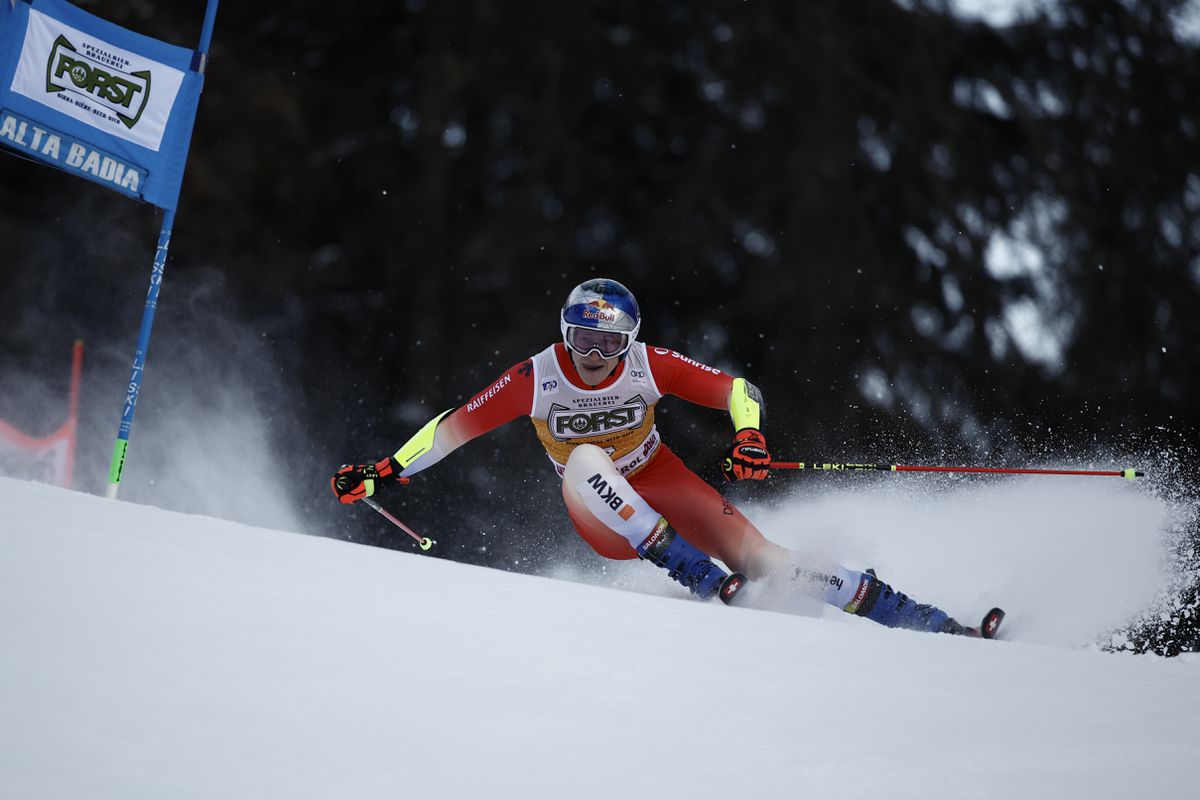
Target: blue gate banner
x: 96, y: 100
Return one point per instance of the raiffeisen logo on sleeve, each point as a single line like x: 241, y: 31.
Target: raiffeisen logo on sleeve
x: 94, y: 76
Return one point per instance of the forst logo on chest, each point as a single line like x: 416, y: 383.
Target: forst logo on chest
x: 123, y: 93
x: 566, y: 423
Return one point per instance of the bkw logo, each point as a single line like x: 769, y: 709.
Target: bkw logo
x: 608, y: 495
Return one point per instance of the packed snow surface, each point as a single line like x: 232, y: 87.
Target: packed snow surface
x: 151, y: 654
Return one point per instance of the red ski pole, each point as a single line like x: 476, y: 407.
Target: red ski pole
x: 424, y: 541
x: 1129, y: 473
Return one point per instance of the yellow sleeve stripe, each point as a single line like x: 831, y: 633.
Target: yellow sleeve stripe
x: 745, y: 405
x: 421, y: 443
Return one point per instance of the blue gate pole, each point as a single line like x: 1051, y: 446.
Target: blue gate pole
x: 139, y: 357
x: 117, y: 467
x: 206, y: 32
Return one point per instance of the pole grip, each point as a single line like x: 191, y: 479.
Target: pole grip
x: 827, y: 467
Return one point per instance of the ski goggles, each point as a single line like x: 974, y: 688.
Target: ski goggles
x: 609, y: 344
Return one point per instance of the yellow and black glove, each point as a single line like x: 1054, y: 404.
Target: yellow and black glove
x: 747, y: 458
x: 352, y: 483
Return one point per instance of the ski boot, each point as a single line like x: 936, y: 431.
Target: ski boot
x: 687, y: 565
x: 877, y: 601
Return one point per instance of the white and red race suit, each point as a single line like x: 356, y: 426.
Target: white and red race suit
x: 616, y: 415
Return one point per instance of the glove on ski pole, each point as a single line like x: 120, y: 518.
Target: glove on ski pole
x: 352, y: 483
x: 747, y: 458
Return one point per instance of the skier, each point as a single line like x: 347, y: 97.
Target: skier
x: 592, y: 397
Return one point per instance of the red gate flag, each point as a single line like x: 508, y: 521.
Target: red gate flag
x: 47, y: 459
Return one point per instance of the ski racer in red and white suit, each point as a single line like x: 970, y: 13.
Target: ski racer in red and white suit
x: 616, y: 415
x: 592, y: 398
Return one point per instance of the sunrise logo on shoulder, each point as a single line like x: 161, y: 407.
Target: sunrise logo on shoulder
x: 663, y: 351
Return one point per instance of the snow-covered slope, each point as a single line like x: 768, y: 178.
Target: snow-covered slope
x: 150, y: 654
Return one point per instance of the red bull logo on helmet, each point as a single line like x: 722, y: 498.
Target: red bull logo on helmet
x: 602, y: 311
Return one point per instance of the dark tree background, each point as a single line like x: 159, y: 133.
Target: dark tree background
x: 922, y: 236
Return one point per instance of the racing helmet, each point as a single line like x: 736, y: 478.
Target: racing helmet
x: 601, y: 315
